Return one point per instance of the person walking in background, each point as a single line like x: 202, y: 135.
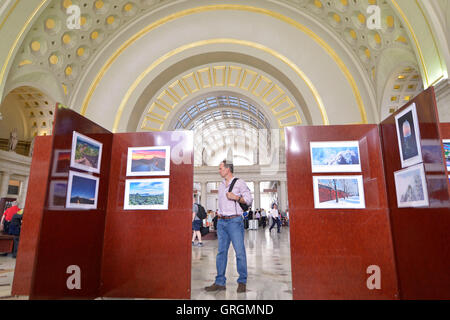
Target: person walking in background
x: 263, y: 218
x: 230, y: 227
x: 275, y: 218
x: 196, y: 225
x: 245, y: 216
x: 258, y: 217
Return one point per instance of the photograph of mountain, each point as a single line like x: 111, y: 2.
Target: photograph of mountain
x: 411, y: 187
x: 86, y: 153
x: 146, y: 194
x: 148, y: 161
x: 82, y: 191
x: 335, y: 156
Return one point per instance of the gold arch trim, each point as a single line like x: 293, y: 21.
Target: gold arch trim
x: 9, y: 13
x: 187, y: 12
x: 219, y: 41
x: 16, y: 41
x: 221, y: 76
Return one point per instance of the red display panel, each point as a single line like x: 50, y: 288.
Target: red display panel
x: 421, y: 237
x: 147, y: 253
x: 71, y: 237
x: 332, y: 249
x: 31, y: 222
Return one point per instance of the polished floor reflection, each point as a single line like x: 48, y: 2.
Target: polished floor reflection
x: 268, y: 264
x: 7, y: 264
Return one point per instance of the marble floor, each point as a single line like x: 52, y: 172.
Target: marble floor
x: 7, y: 264
x: 268, y: 266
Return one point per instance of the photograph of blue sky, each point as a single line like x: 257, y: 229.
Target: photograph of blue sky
x: 83, y: 188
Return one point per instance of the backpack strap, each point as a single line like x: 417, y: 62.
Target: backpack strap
x: 232, y: 184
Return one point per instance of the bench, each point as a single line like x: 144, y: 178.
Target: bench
x: 6, y: 242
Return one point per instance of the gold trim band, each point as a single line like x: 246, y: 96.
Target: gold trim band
x: 11, y: 50
x: 186, y: 12
x: 9, y: 13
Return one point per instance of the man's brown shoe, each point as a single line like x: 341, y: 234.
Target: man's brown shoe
x: 215, y: 287
x: 241, y: 288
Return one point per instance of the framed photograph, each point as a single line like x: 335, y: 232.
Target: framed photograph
x: 432, y: 155
x: 337, y: 156
x: 57, y: 194
x: 82, y: 191
x: 411, y: 187
x: 61, y: 163
x: 86, y: 153
x: 338, y: 192
x: 408, y: 136
x: 446, y: 144
x: 146, y: 194
x: 148, y: 161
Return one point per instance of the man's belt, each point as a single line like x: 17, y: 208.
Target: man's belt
x: 229, y: 217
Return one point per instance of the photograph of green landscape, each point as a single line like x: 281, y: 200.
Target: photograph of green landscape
x: 86, y: 153
x: 147, y: 194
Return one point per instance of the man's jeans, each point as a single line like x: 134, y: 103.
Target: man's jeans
x: 231, y: 230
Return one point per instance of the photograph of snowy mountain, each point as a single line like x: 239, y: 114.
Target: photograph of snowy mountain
x: 411, y: 187
x: 335, y: 156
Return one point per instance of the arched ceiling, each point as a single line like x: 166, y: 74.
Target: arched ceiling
x: 219, y: 109
x: 28, y: 110
x: 50, y: 46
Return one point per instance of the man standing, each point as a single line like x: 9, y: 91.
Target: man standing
x: 275, y: 217
x: 230, y: 227
x: 263, y: 218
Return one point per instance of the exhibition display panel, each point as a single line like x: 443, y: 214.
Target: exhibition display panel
x: 80, y: 240
x: 109, y: 215
x: 335, y: 244
x: 419, y: 204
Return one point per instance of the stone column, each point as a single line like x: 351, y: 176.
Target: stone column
x: 283, y: 196
x: 23, y: 192
x: 4, y: 185
x: 203, y: 198
x: 256, y: 195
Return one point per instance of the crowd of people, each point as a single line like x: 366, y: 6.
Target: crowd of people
x: 271, y: 218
